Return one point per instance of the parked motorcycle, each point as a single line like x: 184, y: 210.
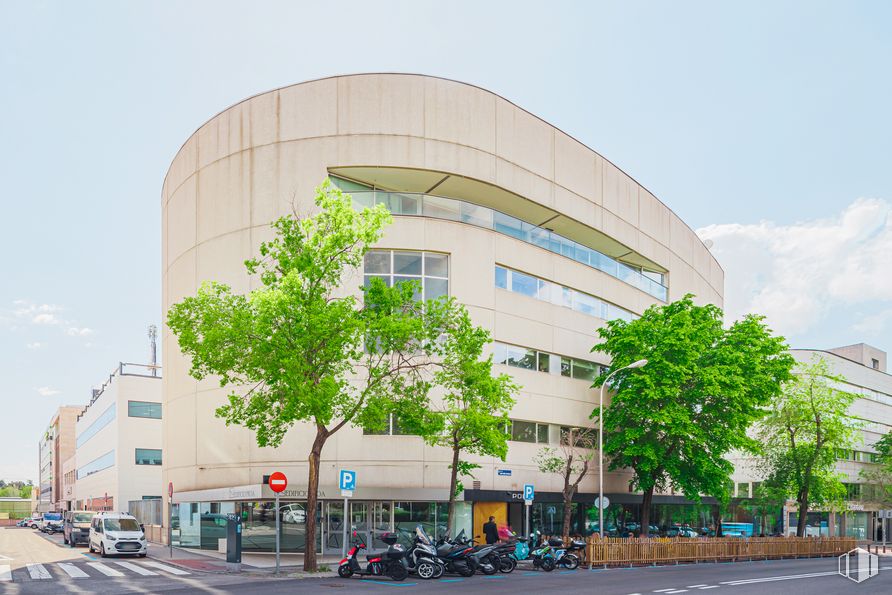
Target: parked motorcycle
x: 542, y: 555
x: 566, y: 557
x: 456, y: 557
x: 422, y: 558
x: 387, y: 563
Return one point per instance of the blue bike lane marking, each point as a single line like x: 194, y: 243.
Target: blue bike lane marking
x: 392, y: 584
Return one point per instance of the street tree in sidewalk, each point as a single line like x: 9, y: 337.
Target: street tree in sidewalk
x: 471, y: 417
x: 801, y: 437
x: 571, y: 462
x: 673, y: 421
x: 879, y: 476
x: 300, y: 348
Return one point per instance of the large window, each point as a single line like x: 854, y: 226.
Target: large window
x: 530, y: 359
x: 430, y: 269
x: 540, y: 289
x: 144, y: 409
x: 425, y: 205
x: 392, y: 428
x: 148, y: 456
x: 529, y: 431
x: 96, y: 465
x: 103, y: 420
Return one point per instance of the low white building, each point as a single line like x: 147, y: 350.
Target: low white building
x: 119, y: 441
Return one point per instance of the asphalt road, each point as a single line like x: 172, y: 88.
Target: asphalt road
x: 37, y: 564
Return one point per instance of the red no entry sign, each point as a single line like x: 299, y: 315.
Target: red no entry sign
x: 278, y: 482
x: 170, y: 489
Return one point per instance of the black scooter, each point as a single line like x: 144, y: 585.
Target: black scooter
x: 387, y: 563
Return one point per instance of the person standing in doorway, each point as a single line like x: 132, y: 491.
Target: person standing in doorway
x: 491, y: 531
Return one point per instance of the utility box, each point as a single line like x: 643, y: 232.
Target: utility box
x: 233, y: 543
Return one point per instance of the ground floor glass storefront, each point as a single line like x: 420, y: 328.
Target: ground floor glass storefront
x: 203, y: 524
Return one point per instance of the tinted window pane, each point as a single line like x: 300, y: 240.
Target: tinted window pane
x: 377, y: 261
x: 500, y: 353
x: 434, y: 288
x: 144, y: 409
x: 442, y: 208
x: 501, y: 278
x: 521, y: 358
x: 523, y: 431
x: 148, y: 456
x: 583, y: 370
x: 542, y: 434
x: 525, y: 284
x: 544, y: 362
x: 407, y: 263
x: 565, y: 366
x: 415, y: 280
x: 436, y: 265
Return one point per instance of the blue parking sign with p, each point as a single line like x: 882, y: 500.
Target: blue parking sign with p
x: 528, y: 492
x: 348, y: 480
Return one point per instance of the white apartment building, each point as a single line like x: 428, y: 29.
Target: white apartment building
x: 119, y: 441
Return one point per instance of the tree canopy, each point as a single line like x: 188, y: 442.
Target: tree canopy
x: 806, y: 427
x: 673, y: 421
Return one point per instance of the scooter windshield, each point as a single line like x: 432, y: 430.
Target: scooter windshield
x: 422, y: 535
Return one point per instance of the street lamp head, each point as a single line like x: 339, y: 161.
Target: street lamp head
x: 639, y: 364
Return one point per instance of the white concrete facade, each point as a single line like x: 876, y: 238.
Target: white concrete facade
x: 263, y: 157
x: 115, y: 440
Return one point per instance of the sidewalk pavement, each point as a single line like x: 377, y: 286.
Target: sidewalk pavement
x: 291, y: 565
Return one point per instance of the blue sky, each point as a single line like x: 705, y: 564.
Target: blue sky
x: 766, y: 125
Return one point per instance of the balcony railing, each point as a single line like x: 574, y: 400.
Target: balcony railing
x: 427, y: 205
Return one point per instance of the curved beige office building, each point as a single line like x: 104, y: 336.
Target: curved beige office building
x: 543, y: 239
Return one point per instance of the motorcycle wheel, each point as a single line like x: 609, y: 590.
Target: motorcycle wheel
x: 440, y: 570
x: 548, y: 564
x: 426, y: 570
x: 507, y: 564
x: 345, y: 571
x: 398, y: 572
x: 465, y: 570
x: 570, y: 562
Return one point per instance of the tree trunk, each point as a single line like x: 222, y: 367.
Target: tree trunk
x: 312, y: 498
x: 646, y: 499
x: 568, y: 507
x: 453, y: 482
x: 803, y: 515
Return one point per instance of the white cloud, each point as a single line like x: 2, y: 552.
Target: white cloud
x: 35, y: 345
x: 45, y: 391
x: 37, y: 313
x: 79, y: 332
x: 796, y: 274
x: 46, y: 319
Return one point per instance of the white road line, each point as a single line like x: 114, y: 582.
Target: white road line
x: 106, y: 570
x: 136, y: 568
x: 709, y: 587
x: 696, y: 586
x: 166, y: 568
x: 72, y: 570
x: 5, y: 572
x: 769, y: 579
x: 39, y: 572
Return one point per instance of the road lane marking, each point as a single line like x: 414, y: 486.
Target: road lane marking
x: 136, y: 568
x: 165, y: 568
x: 72, y: 570
x: 769, y: 579
x: 106, y: 570
x: 5, y: 572
x: 38, y: 572
x: 696, y: 586
x: 709, y: 587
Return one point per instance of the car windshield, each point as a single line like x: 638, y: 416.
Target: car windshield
x: 83, y: 517
x: 121, y: 525
x: 52, y: 517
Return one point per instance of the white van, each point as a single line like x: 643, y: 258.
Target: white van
x: 114, y: 533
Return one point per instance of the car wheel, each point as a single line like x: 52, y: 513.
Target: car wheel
x: 142, y: 555
x: 102, y: 549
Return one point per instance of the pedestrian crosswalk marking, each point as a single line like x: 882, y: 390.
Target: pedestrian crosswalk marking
x: 38, y: 572
x: 106, y: 570
x: 73, y: 571
x: 5, y: 572
x: 166, y: 568
x: 137, y: 569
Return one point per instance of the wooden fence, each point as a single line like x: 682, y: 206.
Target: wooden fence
x: 615, y: 551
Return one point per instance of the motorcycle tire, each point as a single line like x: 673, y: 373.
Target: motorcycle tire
x: 398, y: 572
x: 440, y: 570
x: 548, y: 564
x: 507, y: 564
x: 426, y: 570
x: 570, y: 562
x: 345, y: 571
x: 464, y: 570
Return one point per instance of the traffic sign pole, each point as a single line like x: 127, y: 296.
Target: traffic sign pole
x: 277, y: 533
x: 277, y: 483
x: 344, y: 537
x: 170, y: 517
x: 347, y: 483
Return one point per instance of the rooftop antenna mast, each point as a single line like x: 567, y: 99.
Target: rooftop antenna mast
x: 153, y: 349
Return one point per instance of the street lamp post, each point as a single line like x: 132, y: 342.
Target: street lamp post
x: 638, y: 364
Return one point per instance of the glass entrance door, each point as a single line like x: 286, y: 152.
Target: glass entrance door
x: 334, y: 528
x: 360, y: 522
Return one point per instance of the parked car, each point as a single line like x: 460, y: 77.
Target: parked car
x: 115, y: 533
x: 33, y: 522
x: 76, y: 527
x: 51, y: 523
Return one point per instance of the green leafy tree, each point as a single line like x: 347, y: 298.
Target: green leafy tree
x: 806, y: 427
x: 571, y: 462
x: 879, y: 475
x: 301, y: 349
x: 765, y: 506
x: 673, y: 421
x: 472, y: 416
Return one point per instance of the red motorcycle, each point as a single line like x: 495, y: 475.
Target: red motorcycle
x: 390, y: 562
